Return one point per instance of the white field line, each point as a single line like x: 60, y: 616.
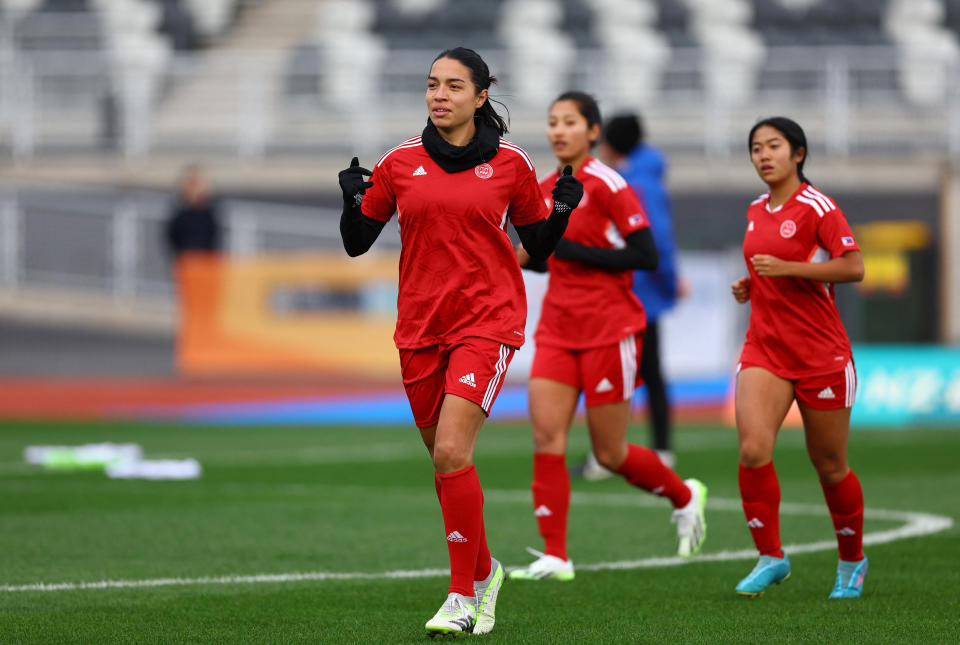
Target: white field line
x: 914, y: 525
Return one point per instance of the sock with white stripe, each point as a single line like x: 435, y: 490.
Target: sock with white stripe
x: 461, y: 500
x: 551, y: 501
x: 760, y: 495
x: 845, y: 501
x: 643, y: 469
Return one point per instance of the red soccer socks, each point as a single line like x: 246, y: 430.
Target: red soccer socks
x: 643, y: 469
x: 482, y: 569
x: 461, y: 500
x: 760, y: 493
x: 845, y: 501
x: 551, y: 501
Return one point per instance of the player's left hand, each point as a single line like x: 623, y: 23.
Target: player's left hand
x: 769, y: 266
x: 567, y: 192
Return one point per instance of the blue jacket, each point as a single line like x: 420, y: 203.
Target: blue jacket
x: 644, y: 170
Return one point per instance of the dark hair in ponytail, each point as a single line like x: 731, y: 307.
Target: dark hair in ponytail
x: 482, y: 80
x: 792, y: 132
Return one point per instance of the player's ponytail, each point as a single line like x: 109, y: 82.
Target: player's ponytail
x: 792, y: 132
x: 482, y: 80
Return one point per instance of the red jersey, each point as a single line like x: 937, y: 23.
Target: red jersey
x: 795, y: 329
x: 459, y: 275
x: 586, y: 305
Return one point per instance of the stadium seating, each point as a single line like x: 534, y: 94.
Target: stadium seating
x: 928, y: 50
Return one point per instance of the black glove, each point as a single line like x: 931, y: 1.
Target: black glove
x: 567, y: 192
x: 352, y: 183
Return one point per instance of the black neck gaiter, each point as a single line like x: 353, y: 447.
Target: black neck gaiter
x: 482, y: 148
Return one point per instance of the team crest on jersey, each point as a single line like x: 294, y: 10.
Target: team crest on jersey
x: 483, y: 171
x: 788, y: 229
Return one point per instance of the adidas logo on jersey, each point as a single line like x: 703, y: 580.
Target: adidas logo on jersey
x: 455, y: 536
x: 826, y: 393
x: 468, y: 379
x: 755, y: 523
x: 542, y: 511
x: 846, y: 530
x: 419, y: 171
x: 604, y: 386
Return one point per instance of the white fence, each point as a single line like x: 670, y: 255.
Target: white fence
x: 114, y: 244
x: 852, y: 100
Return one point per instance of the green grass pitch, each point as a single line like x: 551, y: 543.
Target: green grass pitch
x: 277, y: 502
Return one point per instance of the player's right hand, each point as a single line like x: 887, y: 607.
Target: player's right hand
x: 568, y: 191
x: 522, y: 256
x: 741, y: 290
x: 352, y: 180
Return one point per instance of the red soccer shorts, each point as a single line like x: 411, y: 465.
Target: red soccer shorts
x: 605, y: 374
x: 472, y: 369
x: 833, y: 391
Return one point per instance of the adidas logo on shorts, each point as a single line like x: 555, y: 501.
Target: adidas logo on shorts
x: 604, y: 386
x: 468, y: 379
x: 826, y: 393
x: 456, y: 536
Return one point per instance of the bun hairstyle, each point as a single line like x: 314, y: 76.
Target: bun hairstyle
x: 482, y: 80
x: 792, y: 132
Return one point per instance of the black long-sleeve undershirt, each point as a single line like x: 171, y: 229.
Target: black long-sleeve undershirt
x: 640, y: 253
x: 541, y: 238
x: 358, y: 231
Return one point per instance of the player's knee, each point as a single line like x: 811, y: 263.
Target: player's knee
x: 549, y: 438
x: 610, y: 457
x: 754, y: 454
x: 831, y: 468
x: 449, y: 457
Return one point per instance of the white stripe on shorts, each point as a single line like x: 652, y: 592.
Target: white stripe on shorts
x: 851, y: 377
x: 628, y: 365
x: 492, y: 385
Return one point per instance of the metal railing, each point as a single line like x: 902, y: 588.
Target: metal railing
x: 110, y: 243
x: 852, y: 100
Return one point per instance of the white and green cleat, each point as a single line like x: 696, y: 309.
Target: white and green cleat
x: 545, y: 567
x: 691, y: 520
x: 455, y: 618
x: 486, y: 592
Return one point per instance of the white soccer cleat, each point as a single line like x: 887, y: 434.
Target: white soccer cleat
x: 485, y: 593
x: 691, y: 521
x: 545, y: 567
x: 455, y: 618
x: 593, y: 471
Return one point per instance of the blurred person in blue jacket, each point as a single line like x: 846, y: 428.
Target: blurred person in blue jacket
x: 644, y: 167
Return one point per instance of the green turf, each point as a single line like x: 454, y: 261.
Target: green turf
x: 295, y: 500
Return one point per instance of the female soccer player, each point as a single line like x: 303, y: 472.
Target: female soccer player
x: 797, y: 244
x: 589, y: 340
x: 461, y: 304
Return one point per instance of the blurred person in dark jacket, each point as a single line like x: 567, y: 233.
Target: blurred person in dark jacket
x: 194, y: 223
x: 622, y: 146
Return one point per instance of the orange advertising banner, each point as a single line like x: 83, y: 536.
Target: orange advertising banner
x: 287, y: 314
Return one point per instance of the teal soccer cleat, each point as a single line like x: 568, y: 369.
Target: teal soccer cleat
x: 850, y: 577
x: 769, y: 570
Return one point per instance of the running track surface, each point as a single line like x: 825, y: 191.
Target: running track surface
x: 332, y: 399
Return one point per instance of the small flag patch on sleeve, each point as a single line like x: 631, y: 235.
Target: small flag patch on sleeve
x: 847, y: 241
x: 636, y: 220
